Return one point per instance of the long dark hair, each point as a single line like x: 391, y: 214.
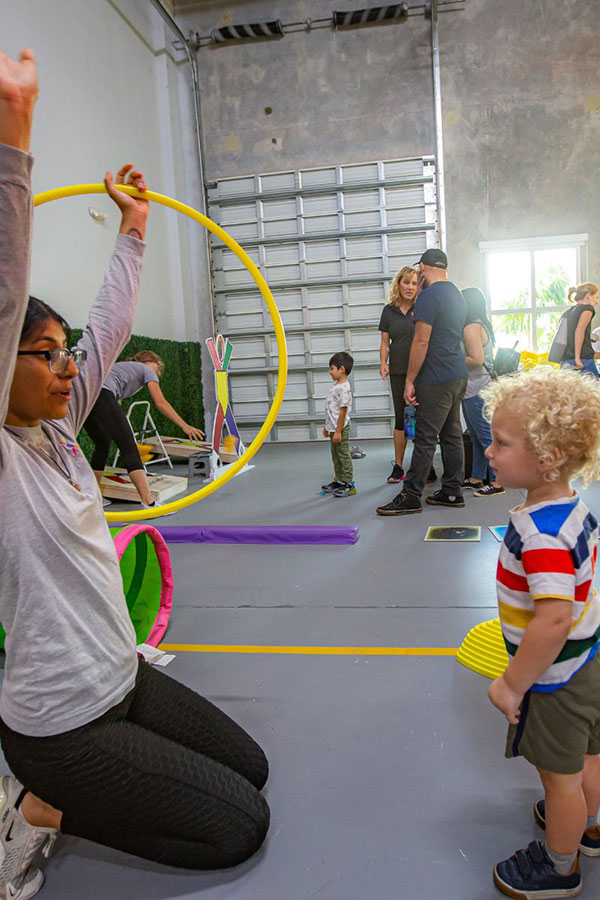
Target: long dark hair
x: 37, y: 313
x: 477, y: 311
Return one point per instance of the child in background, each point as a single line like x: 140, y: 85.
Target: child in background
x: 337, y: 426
x: 546, y: 430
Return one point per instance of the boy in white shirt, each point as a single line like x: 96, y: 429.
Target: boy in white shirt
x: 337, y: 426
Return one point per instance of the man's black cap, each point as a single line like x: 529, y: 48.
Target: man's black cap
x: 435, y: 258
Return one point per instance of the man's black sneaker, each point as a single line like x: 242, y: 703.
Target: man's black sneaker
x: 331, y: 487
x: 442, y: 499
x: 530, y: 873
x: 590, y: 843
x: 431, y: 477
x: 401, y: 505
x: 397, y: 475
x: 345, y: 490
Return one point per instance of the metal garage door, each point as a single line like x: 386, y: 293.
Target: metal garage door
x: 328, y: 241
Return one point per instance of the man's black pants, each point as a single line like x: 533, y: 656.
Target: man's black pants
x: 437, y: 415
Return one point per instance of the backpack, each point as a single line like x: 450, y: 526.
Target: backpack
x: 559, y: 344
x: 506, y: 361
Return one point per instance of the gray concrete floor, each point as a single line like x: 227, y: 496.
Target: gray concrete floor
x: 388, y: 780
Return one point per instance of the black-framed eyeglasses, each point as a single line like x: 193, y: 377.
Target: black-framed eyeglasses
x: 58, y: 358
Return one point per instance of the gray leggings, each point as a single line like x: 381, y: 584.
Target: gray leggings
x: 164, y: 775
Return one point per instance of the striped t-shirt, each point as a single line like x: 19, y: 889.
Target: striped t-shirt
x: 549, y: 550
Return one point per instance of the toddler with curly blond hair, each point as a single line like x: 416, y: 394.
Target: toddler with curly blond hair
x: 546, y: 431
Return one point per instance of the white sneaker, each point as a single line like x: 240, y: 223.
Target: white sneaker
x: 153, y: 505
x: 19, y: 843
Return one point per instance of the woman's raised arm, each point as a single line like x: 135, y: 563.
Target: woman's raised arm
x: 18, y: 93
x: 111, y: 317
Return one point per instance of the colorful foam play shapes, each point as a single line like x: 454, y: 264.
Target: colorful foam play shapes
x: 483, y: 649
x: 147, y: 581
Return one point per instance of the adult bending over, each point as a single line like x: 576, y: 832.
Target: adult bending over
x: 105, y: 747
x: 478, y: 338
x: 396, y: 327
x: 579, y: 353
x: 435, y: 384
x: 107, y: 422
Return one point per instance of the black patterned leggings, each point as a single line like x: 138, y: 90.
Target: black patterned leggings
x: 164, y: 775
x: 106, y: 423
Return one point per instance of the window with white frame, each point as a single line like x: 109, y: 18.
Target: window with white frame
x: 527, y: 282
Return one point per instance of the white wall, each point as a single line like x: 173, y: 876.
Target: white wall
x: 109, y: 94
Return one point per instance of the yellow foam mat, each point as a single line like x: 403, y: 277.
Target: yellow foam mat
x: 483, y: 650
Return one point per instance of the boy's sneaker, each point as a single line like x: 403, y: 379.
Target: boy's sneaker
x: 431, y: 477
x: 331, y: 487
x: 19, y: 843
x: 346, y: 490
x: 590, y: 843
x: 401, y: 505
x: 530, y: 873
x: 442, y: 499
x: 488, y: 490
x: 397, y: 475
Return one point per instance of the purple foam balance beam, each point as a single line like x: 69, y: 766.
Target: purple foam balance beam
x: 259, y: 534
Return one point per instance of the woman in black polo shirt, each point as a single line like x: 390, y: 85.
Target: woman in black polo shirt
x: 396, y: 327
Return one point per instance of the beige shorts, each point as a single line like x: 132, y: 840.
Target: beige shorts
x: 557, y: 731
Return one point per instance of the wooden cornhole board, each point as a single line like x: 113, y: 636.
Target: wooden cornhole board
x: 185, y: 448
x: 116, y: 485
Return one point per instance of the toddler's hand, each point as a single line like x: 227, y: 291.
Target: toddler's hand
x: 337, y: 437
x: 506, y: 700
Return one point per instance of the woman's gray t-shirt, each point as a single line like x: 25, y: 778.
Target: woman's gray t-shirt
x: 127, y: 378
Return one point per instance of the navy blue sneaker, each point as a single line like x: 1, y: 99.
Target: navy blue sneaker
x: 530, y: 873
x: 590, y: 843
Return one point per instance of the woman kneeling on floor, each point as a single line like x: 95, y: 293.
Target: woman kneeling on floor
x: 104, y: 746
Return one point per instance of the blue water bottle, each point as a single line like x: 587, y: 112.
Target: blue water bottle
x: 409, y: 422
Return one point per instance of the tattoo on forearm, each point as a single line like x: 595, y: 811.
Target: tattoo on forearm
x: 134, y: 232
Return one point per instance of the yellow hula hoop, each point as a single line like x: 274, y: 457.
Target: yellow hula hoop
x: 76, y: 190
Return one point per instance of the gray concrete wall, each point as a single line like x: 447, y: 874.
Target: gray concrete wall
x: 521, y: 100
x: 109, y: 94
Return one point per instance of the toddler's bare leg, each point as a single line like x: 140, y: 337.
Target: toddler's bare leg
x: 566, y: 811
x: 591, y: 789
